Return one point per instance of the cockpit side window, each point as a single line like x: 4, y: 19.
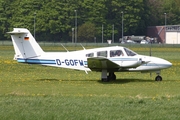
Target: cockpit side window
x: 102, y: 53
x: 116, y: 53
x: 129, y: 52
x: 90, y: 55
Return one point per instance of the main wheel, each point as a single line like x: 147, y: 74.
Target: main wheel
x: 112, y: 76
x: 105, y: 79
x: 158, y: 78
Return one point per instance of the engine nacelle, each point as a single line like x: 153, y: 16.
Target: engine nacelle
x: 132, y: 64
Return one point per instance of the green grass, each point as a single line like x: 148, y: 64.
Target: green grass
x: 36, y: 92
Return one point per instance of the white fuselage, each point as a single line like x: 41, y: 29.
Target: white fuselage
x: 78, y: 60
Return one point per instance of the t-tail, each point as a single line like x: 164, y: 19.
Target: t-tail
x: 25, y: 45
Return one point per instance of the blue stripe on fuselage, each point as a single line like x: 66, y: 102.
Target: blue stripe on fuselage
x: 36, y: 61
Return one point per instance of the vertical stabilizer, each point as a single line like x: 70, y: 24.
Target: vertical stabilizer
x: 25, y: 45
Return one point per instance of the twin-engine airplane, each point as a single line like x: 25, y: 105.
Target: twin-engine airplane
x: 105, y: 60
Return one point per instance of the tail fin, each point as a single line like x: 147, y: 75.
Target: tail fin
x: 25, y: 45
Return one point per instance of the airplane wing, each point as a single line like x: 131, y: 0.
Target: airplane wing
x: 99, y: 63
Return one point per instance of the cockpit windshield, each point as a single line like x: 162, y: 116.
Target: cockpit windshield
x: 129, y: 52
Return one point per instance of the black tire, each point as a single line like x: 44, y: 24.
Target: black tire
x: 105, y: 80
x: 158, y: 78
x: 112, y: 76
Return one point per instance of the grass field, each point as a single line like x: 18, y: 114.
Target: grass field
x: 31, y: 92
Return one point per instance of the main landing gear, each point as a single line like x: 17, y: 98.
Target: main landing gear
x: 106, y: 78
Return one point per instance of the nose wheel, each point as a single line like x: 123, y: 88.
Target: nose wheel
x: 158, y: 77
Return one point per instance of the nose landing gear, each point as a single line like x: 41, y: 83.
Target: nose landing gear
x: 158, y: 77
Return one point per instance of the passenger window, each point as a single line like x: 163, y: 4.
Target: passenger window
x: 112, y: 53
x: 102, y: 53
x: 90, y: 55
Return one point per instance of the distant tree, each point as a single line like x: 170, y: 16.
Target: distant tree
x: 55, y: 19
x: 172, y: 10
x: 90, y: 11
x: 86, y: 32
x: 158, y: 8
x: 6, y: 11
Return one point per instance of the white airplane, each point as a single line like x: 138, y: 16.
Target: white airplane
x: 104, y: 60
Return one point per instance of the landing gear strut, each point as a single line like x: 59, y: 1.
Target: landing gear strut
x: 106, y: 78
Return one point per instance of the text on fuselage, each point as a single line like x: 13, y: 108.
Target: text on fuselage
x: 70, y: 62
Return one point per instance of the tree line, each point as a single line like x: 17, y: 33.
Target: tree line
x: 56, y: 20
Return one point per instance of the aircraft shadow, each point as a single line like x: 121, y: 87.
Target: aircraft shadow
x: 124, y: 81
x: 73, y: 80
x: 47, y: 80
x: 118, y: 81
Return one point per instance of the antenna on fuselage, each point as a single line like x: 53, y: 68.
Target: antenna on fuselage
x: 82, y: 46
x: 64, y: 47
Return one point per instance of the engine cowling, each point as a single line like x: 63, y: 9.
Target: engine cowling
x: 135, y: 63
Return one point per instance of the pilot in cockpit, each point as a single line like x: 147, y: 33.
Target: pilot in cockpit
x: 119, y: 53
